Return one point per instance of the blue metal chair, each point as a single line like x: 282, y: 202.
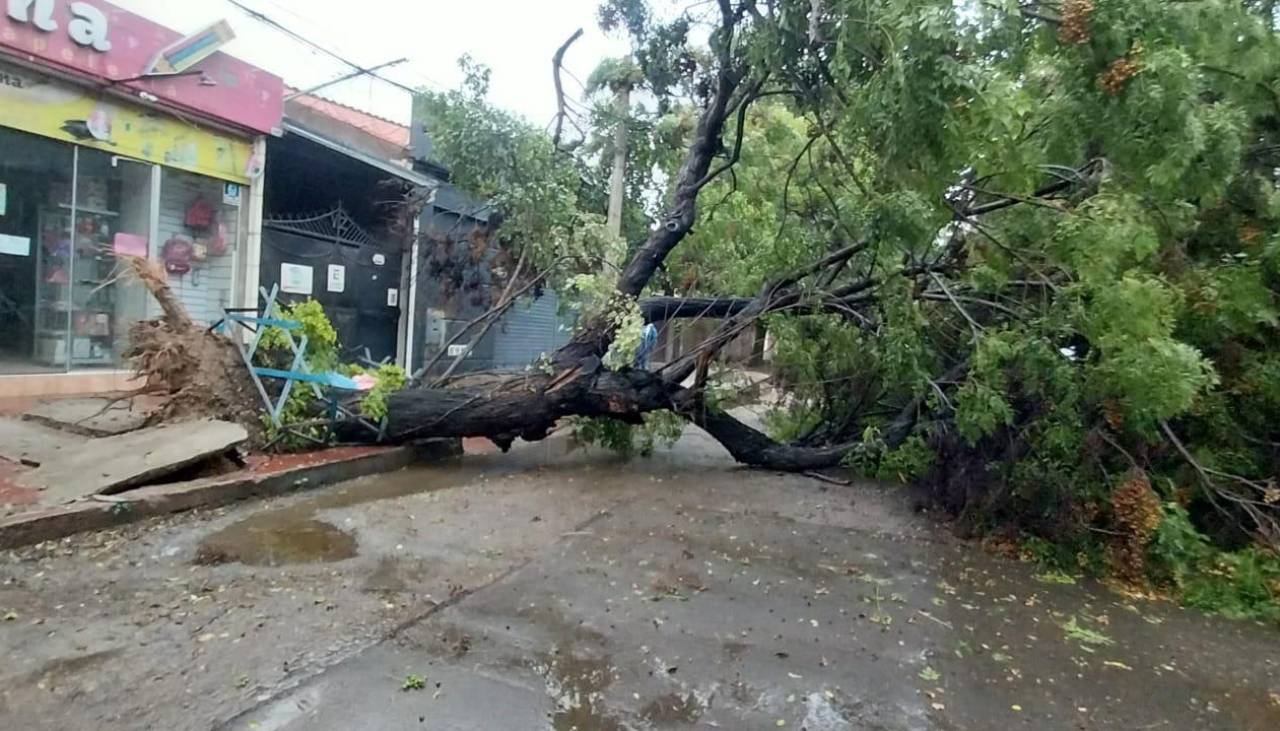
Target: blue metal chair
x: 322, y: 384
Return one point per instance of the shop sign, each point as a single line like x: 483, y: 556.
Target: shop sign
x: 231, y: 194
x: 295, y: 278
x: 15, y: 245
x: 96, y: 39
x: 187, y: 52
x: 41, y: 105
x: 337, y: 278
x: 88, y: 26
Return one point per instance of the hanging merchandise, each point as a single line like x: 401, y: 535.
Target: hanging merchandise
x: 217, y: 241
x: 201, y: 214
x: 178, y: 253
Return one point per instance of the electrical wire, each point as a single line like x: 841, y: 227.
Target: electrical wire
x: 267, y: 20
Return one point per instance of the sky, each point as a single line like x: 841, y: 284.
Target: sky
x: 515, y: 38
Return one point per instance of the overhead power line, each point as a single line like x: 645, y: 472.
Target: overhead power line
x: 344, y: 77
x: 262, y: 18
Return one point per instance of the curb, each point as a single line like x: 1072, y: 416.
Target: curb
x: 129, y: 507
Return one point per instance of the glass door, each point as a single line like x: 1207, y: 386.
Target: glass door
x: 113, y: 216
x: 38, y: 176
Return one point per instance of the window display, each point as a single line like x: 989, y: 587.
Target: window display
x: 78, y: 210
x: 67, y: 298
x: 86, y: 298
x: 36, y: 175
x: 197, y: 237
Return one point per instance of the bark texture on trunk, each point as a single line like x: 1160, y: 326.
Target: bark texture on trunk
x: 529, y: 407
x: 526, y: 407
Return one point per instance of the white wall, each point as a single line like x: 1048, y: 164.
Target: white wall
x: 209, y: 286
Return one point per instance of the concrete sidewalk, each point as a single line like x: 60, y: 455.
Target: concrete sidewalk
x: 30, y: 519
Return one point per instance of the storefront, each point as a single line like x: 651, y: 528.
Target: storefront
x: 100, y: 157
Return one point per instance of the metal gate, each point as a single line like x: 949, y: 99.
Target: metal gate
x: 331, y: 259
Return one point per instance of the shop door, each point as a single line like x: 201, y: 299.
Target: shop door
x: 85, y: 298
x: 355, y: 277
x: 111, y: 214
x: 35, y: 188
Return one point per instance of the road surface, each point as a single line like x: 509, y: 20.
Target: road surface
x: 554, y: 590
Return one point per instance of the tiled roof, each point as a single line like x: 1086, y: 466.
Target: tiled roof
x: 383, y: 129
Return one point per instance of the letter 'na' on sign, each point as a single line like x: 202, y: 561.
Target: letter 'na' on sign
x: 184, y: 53
x: 88, y: 26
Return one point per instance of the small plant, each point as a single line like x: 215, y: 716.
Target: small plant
x: 1241, y: 584
x: 413, y: 682
x: 322, y: 338
x: 322, y: 356
x: 390, y: 377
x: 1055, y: 577
x: 1085, y: 636
x: 660, y: 428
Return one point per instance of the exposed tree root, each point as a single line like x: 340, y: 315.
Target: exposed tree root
x: 200, y: 372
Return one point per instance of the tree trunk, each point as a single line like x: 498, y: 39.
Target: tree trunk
x: 527, y: 406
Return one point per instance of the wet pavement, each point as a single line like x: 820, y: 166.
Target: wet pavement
x: 541, y: 590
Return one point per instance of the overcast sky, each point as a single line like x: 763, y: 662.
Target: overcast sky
x: 516, y: 38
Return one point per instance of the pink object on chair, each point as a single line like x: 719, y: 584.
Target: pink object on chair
x: 129, y: 244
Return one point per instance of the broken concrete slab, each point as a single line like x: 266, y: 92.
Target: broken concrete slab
x: 34, y: 445
x: 113, y: 464
x: 94, y: 416
x: 100, y: 512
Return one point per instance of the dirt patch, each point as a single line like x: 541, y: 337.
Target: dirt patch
x: 394, y: 575
x: 672, y: 709
x: 62, y: 670
x: 202, y: 373
x: 12, y: 493
x: 270, y: 464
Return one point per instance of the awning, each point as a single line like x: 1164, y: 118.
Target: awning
x: 386, y: 166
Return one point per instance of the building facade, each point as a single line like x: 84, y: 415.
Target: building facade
x: 454, y: 271
x: 110, y: 144
x: 339, y: 188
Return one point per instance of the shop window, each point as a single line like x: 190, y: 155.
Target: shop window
x: 112, y: 215
x: 66, y: 301
x: 199, y: 230
x: 35, y: 192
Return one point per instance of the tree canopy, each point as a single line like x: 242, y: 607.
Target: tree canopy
x: 1024, y: 253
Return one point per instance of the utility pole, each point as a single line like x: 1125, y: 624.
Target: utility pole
x: 618, y: 181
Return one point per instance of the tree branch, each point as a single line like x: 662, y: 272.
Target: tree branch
x: 557, y: 62
x: 593, y: 340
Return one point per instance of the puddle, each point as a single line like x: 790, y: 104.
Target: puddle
x: 293, y: 534
x: 576, y: 685
x: 276, y: 538
x: 672, y: 709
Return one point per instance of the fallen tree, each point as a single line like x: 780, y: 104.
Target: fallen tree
x: 986, y: 267
x: 1024, y: 254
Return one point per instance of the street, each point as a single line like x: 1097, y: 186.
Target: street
x: 565, y: 589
